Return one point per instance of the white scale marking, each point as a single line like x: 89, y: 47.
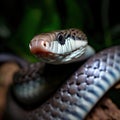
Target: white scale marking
x: 55, y: 47
x: 63, y: 49
x: 59, y: 49
x: 70, y: 45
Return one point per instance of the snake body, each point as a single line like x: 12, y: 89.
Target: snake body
x: 81, y: 92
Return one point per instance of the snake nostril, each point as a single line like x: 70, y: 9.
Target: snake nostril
x: 45, y: 44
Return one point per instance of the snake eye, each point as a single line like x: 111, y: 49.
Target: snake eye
x: 61, y: 39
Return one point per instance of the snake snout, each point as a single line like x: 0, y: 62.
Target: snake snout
x: 38, y: 46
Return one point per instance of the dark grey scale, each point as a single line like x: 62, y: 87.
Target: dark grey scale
x: 96, y: 64
x: 77, y: 32
x: 112, y: 57
x: 118, y: 61
x: 73, y: 37
x: 79, y: 38
x: 65, y: 34
x: 112, y: 73
x: 61, y: 39
x: 73, y: 113
x: 118, y: 54
x: 86, y: 98
x: 93, y: 92
x: 73, y: 33
x: 106, y: 79
x: 100, y: 86
x: 68, y: 35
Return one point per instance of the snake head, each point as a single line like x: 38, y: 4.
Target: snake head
x: 57, y: 47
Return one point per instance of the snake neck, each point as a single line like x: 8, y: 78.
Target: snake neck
x: 88, y: 53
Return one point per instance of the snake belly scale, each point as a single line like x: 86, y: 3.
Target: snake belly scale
x: 80, y: 93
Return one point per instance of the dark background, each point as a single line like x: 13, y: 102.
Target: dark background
x: 21, y: 20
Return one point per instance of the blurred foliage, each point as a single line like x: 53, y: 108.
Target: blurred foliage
x: 21, y: 20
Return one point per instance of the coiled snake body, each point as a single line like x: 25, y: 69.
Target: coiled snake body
x: 79, y: 94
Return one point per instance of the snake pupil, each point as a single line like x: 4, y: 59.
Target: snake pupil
x: 61, y: 40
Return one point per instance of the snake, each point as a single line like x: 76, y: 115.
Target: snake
x: 67, y: 83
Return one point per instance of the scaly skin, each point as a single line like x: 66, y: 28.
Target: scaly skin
x: 78, y: 95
